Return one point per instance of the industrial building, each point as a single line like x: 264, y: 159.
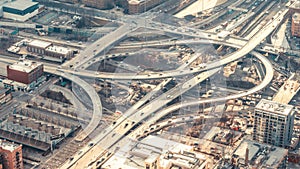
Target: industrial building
x: 19, y: 10
x: 155, y: 152
x: 251, y: 154
x: 26, y: 72
x: 35, y: 129
x: 37, y: 46
x: 11, y: 155
x: 59, y: 52
x: 296, y: 25
x: 47, y: 49
x: 273, y: 123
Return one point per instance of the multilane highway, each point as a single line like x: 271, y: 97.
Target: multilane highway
x: 124, y: 124
x: 91, y: 156
x: 244, y: 50
x: 240, y: 53
x: 268, y: 78
x: 165, y: 111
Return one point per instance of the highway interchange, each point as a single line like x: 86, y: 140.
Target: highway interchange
x: 100, y: 146
x: 109, y: 137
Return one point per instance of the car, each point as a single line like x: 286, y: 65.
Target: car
x: 169, y: 96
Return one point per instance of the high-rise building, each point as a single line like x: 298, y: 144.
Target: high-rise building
x: 273, y: 123
x: 11, y: 155
x: 296, y: 24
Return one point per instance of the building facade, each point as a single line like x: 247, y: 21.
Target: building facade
x: 20, y: 10
x: 100, y: 4
x: 25, y: 72
x: 37, y: 46
x: 59, y: 52
x: 296, y: 24
x: 5, y: 96
x: 43, y: 49
x: 11, y: 155
x: 139, y: 6
x: 273, y: 123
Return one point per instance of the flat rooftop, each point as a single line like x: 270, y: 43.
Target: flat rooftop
x: 25, y: 66
x: 296, y: 18
x: 274, y: 107
x: 20, y: 4
x: 40, y: 44
x: 269, y: 156
x: 58, y: 49
x: 8, y: 145
x: 149, y: 149
x: 136, y: 1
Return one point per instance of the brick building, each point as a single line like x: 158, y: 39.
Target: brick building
x: 139, y: 6
x: 296, y: 24
x: 100, y: 4
x: 25, y: 71
x: 11, y: 155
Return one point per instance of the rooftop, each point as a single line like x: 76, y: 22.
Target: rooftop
x: 8, y: 145
x: 136, y: 1
x: 296, y: 18
x: 25, y: 66
x: 263, y: 155
x: 274, y: 107
x: 58, y: 49
x: 20, y: 4
x: 150, y: 149
x: 41, y: 44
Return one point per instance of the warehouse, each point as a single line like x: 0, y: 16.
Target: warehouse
x: 20, y: 10
x: 37, y: 46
